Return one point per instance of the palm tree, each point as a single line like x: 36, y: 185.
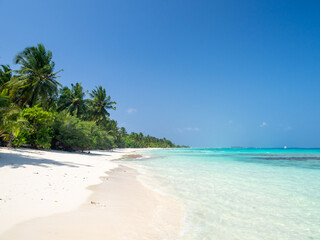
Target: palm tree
x: 11, y: 122
x: 99, y: 104
x: 72, y: 100
x: 4, y: 101
x: 36, y: 79
x: 5, y: 77
x: 111, y: 126
x: 5, y: 74
x: 123, y: 132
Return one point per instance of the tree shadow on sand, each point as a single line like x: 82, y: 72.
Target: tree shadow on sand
x: 18, y: 160
x: 43, y: 151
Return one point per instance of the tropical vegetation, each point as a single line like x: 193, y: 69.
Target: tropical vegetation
x: 37, y: 111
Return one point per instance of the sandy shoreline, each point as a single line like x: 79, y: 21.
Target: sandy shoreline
x: 59, y: 195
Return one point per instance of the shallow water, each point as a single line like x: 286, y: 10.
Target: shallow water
x: 241, y: 193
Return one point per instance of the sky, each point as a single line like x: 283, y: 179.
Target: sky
x: 200, y: 73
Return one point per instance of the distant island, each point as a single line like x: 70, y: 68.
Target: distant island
x: 37, y: 111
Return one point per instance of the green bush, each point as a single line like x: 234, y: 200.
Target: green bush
x: 102, y: 140
x: 126, y: 142
x: 39, y: 132
x: 73, y: 134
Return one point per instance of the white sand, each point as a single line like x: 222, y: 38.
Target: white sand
x: 57, y: 195
x: 40, y: 183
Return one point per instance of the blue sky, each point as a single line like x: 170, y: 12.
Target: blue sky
x: 201, y: 73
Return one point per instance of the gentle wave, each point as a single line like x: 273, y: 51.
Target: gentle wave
x: 241, y: 193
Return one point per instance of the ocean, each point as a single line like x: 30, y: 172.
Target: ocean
x: 240, y: 193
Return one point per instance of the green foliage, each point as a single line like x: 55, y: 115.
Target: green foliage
x: 138, y: 140
x: 11, y: 124
x: 99, y: 104
x: 127, y: 142
x: 5, y: 74
x: 72, y: 101
x: 5, y: 78
x: 73, y: 134
x: 102, y: 140
x: 4, y: 101
x: 34, y: 112
x: 36, y: 81
x: 40, y: 132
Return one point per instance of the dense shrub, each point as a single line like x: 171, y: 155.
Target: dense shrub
x: 73, y: 134
x: 39, y: 131
x: 101, y: 139
x: 126, y: 142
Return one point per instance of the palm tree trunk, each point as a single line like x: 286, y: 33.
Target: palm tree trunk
x: 10, y: 140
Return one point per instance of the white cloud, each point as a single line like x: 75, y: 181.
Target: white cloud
x: 263, y: 124
x: 189, y: 129
x: 131, y: 110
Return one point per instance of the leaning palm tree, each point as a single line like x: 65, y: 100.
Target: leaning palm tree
x: 72, y: 101
x: 36, y: 78
x: 99, y: 104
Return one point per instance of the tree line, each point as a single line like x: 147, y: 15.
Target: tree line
x: 37, y: 111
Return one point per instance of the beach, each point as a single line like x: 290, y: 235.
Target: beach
x: 138, y: 194
x: 62, y: 195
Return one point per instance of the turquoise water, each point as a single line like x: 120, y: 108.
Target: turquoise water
x: 241, y: 193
